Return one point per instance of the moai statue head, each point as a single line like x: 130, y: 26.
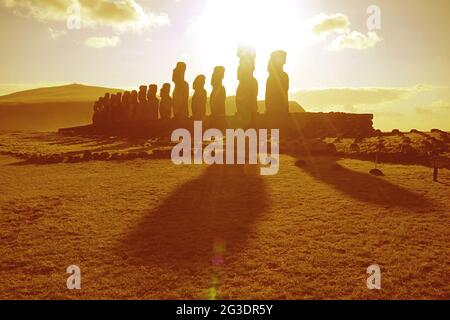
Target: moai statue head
x: 199, y: 82
x: 152, y: 91
x: 142, y: 93
x: 178, y: 72
x: 165, y: 90
x: 277, y: 61
x: 246, y: 52
x: 247, y: 56
x: 119, y: 97
x: 106, y: 100
x: 113, y: 98
x: 134, y: 97
x: 218, y: 75
x: 97, y: 105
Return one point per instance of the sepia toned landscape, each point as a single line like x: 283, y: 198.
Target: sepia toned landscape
x: 144, y: 228
x: 98, y: 202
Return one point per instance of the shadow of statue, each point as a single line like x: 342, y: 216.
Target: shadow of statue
x: 216, y: 209
x: 362, y: 186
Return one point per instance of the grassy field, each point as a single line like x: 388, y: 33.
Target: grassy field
x: 148, y: 229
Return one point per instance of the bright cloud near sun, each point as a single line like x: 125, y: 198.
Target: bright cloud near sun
x: 326, y: 24
x: 55, y: 34
x: 354, y: 40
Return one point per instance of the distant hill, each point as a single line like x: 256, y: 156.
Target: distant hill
x: 47, y: 109
x: 66, y: 93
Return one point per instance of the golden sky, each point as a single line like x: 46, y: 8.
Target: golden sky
x: 399, y: 71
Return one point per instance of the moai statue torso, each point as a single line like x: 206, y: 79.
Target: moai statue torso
x: 180, y: 92
x: 106, y: 110
x: 153, y: 102
x: 126, y: 107
x: 143, y: 112
x: 218, y: 93
x: 134, y: 107
x: 277, y: 101
x: 97, y: 109
x: 247, y: 91
x: 118, y: 114
x: 113, y: 108
x: 199, y: 98
x: 165, y: 107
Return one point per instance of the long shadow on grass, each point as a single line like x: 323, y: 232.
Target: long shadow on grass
x: 362, y: 186
x: 206, y: 217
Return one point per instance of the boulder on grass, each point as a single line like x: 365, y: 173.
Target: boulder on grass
x: 87, y: 156
x: 354, y: 147
x: 300, y: 163
x: 376, y: 172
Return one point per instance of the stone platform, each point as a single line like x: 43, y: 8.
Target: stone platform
x: 305, y: 124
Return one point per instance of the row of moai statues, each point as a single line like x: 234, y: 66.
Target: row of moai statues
x: 144, y: 106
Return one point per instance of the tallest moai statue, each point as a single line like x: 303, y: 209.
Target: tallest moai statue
x: 277, y: 101
x: 247, y: 91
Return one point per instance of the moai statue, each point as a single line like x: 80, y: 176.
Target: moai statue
x: 116, y: 108
x: 97, y: 109
x: 118, y: 113
x: 165, y: 107
x: 106, y: 108
x: 153, y: 102
x: 247, y: 91
x: 199, y: 98
x: 112, y: 109
x: 112, y: 103
x: 101, y: 111
x: 143, y: 112
x: 126, y: 107
x: 218, y: 93
x: 134, y: 107
x: 180, y: 92
x: 277, y: 101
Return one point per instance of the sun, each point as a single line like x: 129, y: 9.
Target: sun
x: 267, y: 25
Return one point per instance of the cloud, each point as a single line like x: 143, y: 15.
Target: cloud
x: 55, y: 34
x: 437, y: 106
x: 350, y: 97
x: 354, y: 40
x: 122, y: 15
x: 102, y: 42
x: 441, y: 104
x: 325, y: 24
x: 424, y: 111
